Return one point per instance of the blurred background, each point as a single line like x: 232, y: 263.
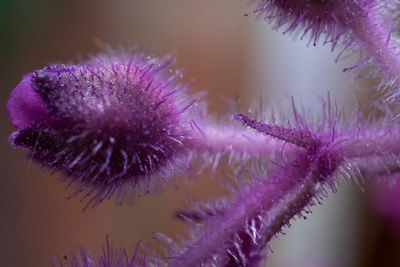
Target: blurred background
x: 226, y: 55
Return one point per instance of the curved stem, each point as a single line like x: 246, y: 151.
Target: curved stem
x: 285, y: 194
x: 372, y: 33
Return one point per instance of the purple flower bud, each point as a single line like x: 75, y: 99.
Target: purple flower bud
x: 329, y: 18
x: 313, y: 16
x: 112, y: 120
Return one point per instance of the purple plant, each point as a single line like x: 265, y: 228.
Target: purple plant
x: 108, y: 123
x: 121, y: 122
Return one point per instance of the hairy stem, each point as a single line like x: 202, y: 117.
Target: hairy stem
x: 369, y: 29
x: 221, y: 139
x: 278, y: 199
x: 371, y: 144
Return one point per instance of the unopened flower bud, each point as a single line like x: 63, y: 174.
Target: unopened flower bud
x: 317, y: 17
x: 102, y: 123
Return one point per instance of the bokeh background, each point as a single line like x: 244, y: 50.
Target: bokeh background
x: 226, y: 55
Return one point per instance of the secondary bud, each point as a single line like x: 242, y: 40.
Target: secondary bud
x: 103, y: 123
x: 317, y: 17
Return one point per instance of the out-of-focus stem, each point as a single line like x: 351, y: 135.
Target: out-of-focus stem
x: 371, y: 144
x: 369, y: 29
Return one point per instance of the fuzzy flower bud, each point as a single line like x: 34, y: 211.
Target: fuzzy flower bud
x: 330, y: 17
x: 112, y: 120
x: 314, y: 16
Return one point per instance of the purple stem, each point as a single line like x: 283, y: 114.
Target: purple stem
x: 371, y: 143
x: 370, y: 30
x: 220, y: 139
x: 278, y: 199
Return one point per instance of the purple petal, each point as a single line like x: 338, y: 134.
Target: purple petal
x: 25, y: 107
